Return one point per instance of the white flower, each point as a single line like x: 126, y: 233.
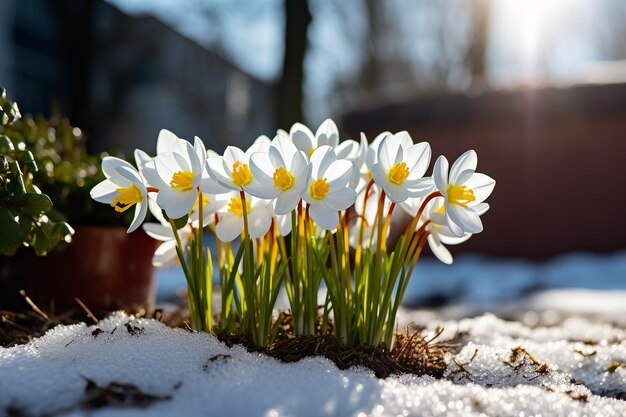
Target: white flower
x: 166, y: 253
x: 122, y: 189
x: 179, y: 174
x: 303, y: 138
x: 232, y: 170
x: 281, y: 175
x: 230, y: 218
x: 439, y: 231
x: 370, y: 153
x: 283, y: 223
x: 327, y: 191
x: 400, y: 167
x: 464, y: 191
x: 166, y: 141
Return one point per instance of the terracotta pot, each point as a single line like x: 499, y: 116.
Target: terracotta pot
x: 103, y: 266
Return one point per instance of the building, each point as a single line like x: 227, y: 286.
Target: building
x: 123, y: 78
x: 557, y: 155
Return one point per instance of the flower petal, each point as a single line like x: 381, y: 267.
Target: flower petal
x: 348, y: 149
x: 341, y: 199
x: 338, y: 174
x: 417, y: 158
x: 140, y: 214
x: 210, y: 186
x: 263, y: 140
x: 283, y: 222
x: 482, y: 185
x: 166, y: 165
x: 262, y: 190
x: 199, y: 147
x: 480, y: 208
x: 176, y: 203
x: 440, y: 174
x: 398, y: 194
x: 131, y: 175
x: 216, y: 167
x: 104, y: 192
x: 299, y: 165
x: 110, y: 165
x: 158, y: 231
x: 152, y: 177
x: 439, y: 250
x: 166, y: 141
x: 284, y: 150
x: 321, y: 159
x: 262, y: 168
x: 302, y: 137
x: 421, y: 187
x: 327, y: 134
x: 228, y: 227
x: 141, y: 159
x: 286, y: 201
x: 466, y: 219
x: 164, y: 254
x: 259, y: 221
x: 466, y: 162
x: 389, y: 153
x: 324, y: 216
x: 233, y: 154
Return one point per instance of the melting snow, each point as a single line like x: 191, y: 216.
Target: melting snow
x: 48, y: 375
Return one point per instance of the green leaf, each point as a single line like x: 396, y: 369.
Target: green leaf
x: 28, y: 161
x: 11, y: 236
x: 182, y: 222
x: 4, y: 164
x: 62, y: 230
x: 31, y: 203
x: 41, y: 243
x: 6, y: 144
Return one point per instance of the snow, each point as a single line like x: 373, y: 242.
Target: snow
x: 48, y: 375
x: 568, y: 313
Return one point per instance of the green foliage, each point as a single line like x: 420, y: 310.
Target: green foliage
x: 9, y: 112
x: 66, y: 170
x: 23, y: 208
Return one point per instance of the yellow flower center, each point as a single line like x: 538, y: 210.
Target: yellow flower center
x: 460, y: 195
x: 283, y: 179
x: 182, y: 181
x: 235, y: 206
x: 440, y: 210
x: 126, y: 198
x: 241, y: 174
x: 398, y: 173
x: 319, y: 189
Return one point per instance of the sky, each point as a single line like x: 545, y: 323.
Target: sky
x: 531, y: 41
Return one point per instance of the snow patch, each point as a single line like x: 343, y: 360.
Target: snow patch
x: 204, y: 377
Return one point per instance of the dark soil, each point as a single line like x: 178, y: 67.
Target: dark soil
x: 116, y: 394
x: 411, y: 353
x: 20, y: 328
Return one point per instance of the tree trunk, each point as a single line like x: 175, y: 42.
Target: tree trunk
x: 289, y: 90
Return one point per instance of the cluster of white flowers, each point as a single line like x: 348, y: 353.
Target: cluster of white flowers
x: 296, y: 169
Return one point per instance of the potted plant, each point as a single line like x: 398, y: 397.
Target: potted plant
x: 102, y: 266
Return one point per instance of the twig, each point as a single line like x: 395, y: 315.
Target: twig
x: 84, y: 307
x: 33, y: 305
